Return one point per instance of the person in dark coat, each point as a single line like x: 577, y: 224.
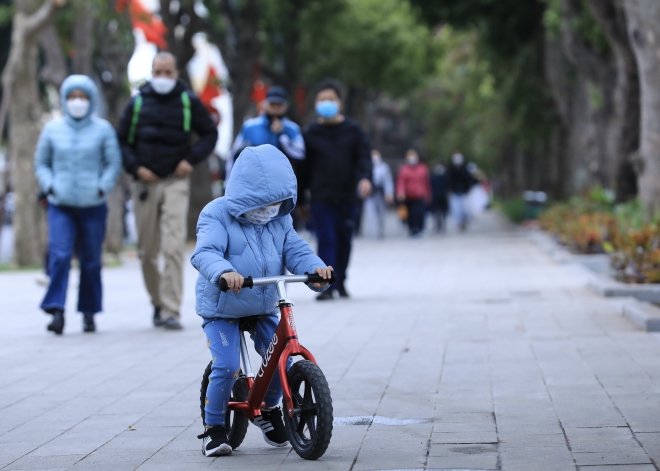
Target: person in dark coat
x: 440, y: 190
x: 337, y: 171
x: 460, y: 183
x: 155, y: 134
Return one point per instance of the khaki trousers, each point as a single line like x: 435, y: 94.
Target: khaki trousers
x: 161, y: 226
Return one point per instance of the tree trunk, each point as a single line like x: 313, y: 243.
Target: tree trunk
x: 114, y: 47
x: 624, y: 123
x: 83, y: 40
x: 20, y: 76
x: 644, y: 33
x: 600, y: 74
x: 54, y: 70
x: 200, y: 179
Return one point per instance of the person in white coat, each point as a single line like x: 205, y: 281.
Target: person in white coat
x: 375, y: 206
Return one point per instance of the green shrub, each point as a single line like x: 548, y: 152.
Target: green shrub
x: 513, y: 209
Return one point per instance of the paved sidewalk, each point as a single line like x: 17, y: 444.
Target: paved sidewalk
x: 473, y: 352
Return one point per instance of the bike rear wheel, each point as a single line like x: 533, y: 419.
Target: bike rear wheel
x: 310, y: 428
x: 235, y: 421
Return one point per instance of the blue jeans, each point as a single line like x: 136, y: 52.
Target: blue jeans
x: 222, y: 338
x: 82, y: 230
x: 334, y: 225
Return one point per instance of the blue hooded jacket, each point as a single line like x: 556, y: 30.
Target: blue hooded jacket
x: 227, y: 242
x: 75, y: 158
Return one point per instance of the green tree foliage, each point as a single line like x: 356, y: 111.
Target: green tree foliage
x: 584, y: 24
x: 460, y: 106
x: 374, y: 44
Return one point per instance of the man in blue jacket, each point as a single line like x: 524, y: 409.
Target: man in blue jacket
x: 272, y: 128
x: 248, y: 232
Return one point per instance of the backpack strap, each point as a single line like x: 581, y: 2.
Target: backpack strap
x: 185, y: 99
x: 137, y: 106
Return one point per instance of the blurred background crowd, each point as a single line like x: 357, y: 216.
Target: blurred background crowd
x: 546, y: 96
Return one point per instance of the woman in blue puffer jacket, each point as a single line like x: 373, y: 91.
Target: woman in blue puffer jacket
x: 248, y: 232
x: 77, y: 163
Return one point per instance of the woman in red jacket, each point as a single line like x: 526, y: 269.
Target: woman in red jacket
x: 414, y: 188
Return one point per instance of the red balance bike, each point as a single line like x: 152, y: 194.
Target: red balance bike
x: 307, y: 402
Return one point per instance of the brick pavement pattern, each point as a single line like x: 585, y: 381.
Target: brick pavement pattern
x: 473, y: 352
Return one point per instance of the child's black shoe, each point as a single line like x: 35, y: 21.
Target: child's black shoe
x: 215, y: 442
x: 272, y: 426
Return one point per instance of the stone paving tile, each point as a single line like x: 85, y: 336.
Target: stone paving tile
x: 475, y: 456
x: 628, y: 467
x: 502, y: 353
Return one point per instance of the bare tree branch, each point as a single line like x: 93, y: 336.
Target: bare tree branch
x: 40, y: 18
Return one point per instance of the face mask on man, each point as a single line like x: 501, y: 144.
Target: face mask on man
x: 163, y: 85
x: 77, y: 107
x: 327, y: 109
x: 457, y: 159
x: 263, y: 215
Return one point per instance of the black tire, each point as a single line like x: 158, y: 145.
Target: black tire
x: 310, y: 428
x: 236, y: 422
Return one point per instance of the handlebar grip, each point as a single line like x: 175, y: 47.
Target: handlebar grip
x: 314, y: 278
x: 247, y: 283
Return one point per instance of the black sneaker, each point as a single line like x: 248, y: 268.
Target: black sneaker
x: 341, y: 289
x: 158, y: 322
x: 215, y: 442
x: 172, y: 324
x: 325, y: 296
x: 272, y: 427
x: 88, y: 324
x: 57, y: 325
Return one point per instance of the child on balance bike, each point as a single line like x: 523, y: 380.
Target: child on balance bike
x: 247, y: 232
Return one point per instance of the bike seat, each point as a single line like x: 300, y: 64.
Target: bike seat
x: 246, y: 324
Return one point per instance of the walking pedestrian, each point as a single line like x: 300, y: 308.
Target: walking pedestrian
x: 460, y: 183
x: 413, y: 186
x: 155, y: 136
x: 375, y: 206
x: 271, y: 127
x: 440, y: 190
x: 77, y: 163
x: 337, y: 172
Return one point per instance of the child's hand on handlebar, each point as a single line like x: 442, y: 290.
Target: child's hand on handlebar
x: 325, y: 273
x: 234, y: 281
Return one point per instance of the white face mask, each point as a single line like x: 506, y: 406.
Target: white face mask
x: 163, y: 85
x: 263, y: 215
x: 77, y: 107
x: 457, y: 159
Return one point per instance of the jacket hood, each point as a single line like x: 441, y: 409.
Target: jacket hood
x: 79, y: 82
x: 261, y: 176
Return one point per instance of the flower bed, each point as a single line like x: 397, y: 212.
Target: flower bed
x: 592, y: 225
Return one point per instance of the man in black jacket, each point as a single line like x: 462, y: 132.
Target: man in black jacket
x: 337, y: 170
x: 155, y: 137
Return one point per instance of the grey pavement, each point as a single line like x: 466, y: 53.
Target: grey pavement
x: 470, y: 352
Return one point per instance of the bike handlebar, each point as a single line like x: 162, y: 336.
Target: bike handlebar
x: 250, y: 282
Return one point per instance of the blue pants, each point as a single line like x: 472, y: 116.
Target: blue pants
x: 222, y: 338
x: 334, y: 225
x: 82, y: 230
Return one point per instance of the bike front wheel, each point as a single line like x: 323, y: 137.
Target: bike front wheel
x: 310, y: 428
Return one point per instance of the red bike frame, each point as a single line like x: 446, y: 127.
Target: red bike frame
x: 283, y: 345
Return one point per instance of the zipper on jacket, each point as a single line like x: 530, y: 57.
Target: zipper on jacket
x: 259, y: 230
x: 76, y: 153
